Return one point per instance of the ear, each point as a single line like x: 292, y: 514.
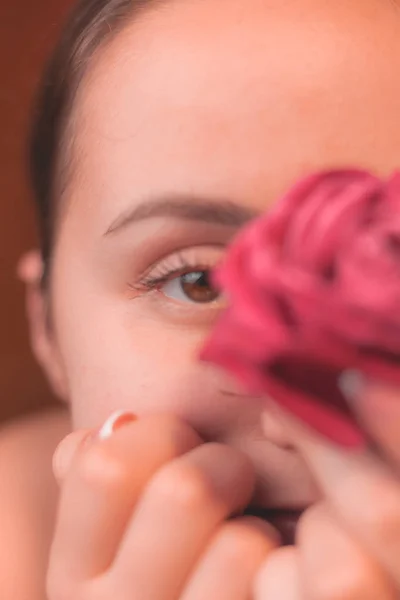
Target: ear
x: 43, y: 343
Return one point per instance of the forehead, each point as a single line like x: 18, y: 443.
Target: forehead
x: 240, y: 97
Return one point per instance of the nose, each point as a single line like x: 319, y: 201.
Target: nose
x: 272, y: 428
x: 274, y: 431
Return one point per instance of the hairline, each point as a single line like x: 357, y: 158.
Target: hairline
x: 67, y: 163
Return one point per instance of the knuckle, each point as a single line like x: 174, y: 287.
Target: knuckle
x: 240, y: 539
x: 310, y: 520
x: 278, y: 576
x: 341, y: 570
x: 183, y: 485
x: 350, y: 581
x: 99, y: 469
x: 181, y: 435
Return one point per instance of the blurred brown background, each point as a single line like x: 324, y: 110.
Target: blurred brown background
x: 28, y: 30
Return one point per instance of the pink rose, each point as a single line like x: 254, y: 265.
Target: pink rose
x: 314, y: 289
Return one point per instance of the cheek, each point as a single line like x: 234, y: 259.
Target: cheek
x: 117, y: 357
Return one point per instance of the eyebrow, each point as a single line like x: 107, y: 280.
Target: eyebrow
x: 188, y: 208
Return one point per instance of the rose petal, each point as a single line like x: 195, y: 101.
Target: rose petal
x: 318, y: 279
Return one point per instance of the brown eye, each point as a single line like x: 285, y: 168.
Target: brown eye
x: 193, y: 287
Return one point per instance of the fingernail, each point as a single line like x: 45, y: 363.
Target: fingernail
x: 352, y: 384
x: 117, y: 420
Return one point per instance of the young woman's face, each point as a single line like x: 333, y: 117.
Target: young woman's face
x: 195, y: 119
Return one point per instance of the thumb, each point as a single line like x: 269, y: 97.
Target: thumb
x: 67, y: 449
x: 77, y: 441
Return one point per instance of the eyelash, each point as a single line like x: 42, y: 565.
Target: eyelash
x: 165, y: 272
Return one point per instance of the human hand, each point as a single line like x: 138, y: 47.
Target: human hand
x: 347, y: 547
x: 145, y: 514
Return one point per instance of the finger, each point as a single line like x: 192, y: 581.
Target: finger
x: 66, y: 450
x: 279, y: 578
x: 177, y: 515
x: 377, y: 407
x: 101, y: 489
x: 231, y: 561
x: 363, y: 492
x: 333, y: 565
x: 76, y: 442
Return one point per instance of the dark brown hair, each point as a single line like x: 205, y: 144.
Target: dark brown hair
x: 91, y: 24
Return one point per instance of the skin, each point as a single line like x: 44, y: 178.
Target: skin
x: 257, y: 95
x: 246, y: 141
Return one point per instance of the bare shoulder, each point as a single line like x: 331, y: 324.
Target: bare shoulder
x: 28, y: 498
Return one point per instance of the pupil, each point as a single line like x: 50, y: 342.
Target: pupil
x: 197, y: 287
